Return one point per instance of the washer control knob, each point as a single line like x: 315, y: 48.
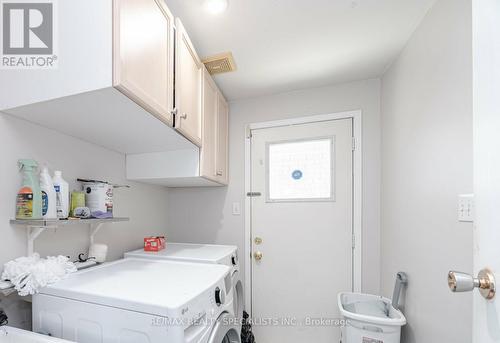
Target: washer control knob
x: 219, y: 296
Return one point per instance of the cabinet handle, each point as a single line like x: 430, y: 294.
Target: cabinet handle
x: 183, y: 116
x: 219, y: 173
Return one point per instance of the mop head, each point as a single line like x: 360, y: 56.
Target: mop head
x: 29, y: 274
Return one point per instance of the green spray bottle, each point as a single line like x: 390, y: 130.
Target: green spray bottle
x: 29, y: 197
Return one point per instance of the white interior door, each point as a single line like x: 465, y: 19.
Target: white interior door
x: 301, y: 229
x: 486, y: 74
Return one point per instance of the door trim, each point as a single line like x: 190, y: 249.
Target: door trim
x: 357, y: 205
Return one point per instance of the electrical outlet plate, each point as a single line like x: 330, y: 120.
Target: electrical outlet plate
x: 466, y: 207
x: 236, y: 209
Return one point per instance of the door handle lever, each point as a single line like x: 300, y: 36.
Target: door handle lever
x: 463, y: 282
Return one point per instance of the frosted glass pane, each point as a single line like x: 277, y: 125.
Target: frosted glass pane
x: 300, y: 170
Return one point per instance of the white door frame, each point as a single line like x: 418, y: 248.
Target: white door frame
x: 357, y: 191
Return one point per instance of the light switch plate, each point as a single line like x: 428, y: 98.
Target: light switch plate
x: 236, y: 209
x: 466, y: 207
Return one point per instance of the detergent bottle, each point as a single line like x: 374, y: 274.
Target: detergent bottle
x: 62, y: 195
x: 49, y: 210
x: 29, y: 197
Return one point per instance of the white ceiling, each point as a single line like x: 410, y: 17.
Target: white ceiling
x: 284, y: 45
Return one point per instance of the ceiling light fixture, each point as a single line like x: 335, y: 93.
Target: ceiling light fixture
x: 215, y: 6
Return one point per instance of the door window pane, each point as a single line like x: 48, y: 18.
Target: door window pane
x: 300, y: 170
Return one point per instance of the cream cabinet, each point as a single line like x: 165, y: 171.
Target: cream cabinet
x: 208, y: 151
x: 214, y: 151
x: 113, y: 85
x: 143, y: 54
x: 188, y: 87
x: 221, y: 156
x: 129, y: 79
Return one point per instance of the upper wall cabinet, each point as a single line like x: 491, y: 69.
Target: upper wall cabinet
x: 214, y: 151
x: 188, y: 85
x: 208, y: 150
x: 209, y: 167
x: 114, y: 78
x: 116, y: 85
x: 143, y: 53
x: 221, y: 157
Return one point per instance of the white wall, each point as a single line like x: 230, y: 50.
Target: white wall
x: 426, y: 163
x: 145, y: 205
x: 205, y: 215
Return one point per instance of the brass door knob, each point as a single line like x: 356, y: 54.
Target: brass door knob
x: 462, y: 282
x: 258, y: 255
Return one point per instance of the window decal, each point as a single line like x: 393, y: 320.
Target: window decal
x: 297, y: 174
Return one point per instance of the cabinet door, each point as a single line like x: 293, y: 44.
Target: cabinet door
x: 188, y: 82
x: 210, y: 131
x: 143, y: 54
x: 221, y: 156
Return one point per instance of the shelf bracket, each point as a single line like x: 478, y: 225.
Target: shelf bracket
x: 37, y: 226
x: 33, y: 233
x: 94, y: 229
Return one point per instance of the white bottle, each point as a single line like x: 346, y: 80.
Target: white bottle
x: 62, y: 195
x: 49, y: 210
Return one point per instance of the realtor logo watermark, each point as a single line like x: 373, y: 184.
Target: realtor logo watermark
x: 29, y: 32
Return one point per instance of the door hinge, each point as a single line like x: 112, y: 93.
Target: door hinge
x: 353, y: 143
x: 249, y: 132
x: 254, y: 194
x: 353, y: 241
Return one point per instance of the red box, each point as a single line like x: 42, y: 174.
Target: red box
x: 154, y: 243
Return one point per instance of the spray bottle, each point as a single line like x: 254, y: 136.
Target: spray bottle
x: 29, y: 197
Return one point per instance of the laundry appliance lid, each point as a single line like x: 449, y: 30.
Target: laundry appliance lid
x: 189, y: 252
x: 148, y: 286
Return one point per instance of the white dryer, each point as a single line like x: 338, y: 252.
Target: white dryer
x: 138, y: 301
x: 204, y: 253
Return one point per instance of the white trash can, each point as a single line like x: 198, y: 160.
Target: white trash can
x: 369, y: 319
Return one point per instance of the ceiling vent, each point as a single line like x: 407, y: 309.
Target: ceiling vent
x: 221, y: 63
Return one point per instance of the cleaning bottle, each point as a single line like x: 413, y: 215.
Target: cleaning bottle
x: 29, y: 197
x: 62, y: 195
x: 49, y: 210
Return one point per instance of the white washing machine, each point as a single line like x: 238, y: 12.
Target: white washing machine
x: 138, y: 301
x: 204, y: 253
